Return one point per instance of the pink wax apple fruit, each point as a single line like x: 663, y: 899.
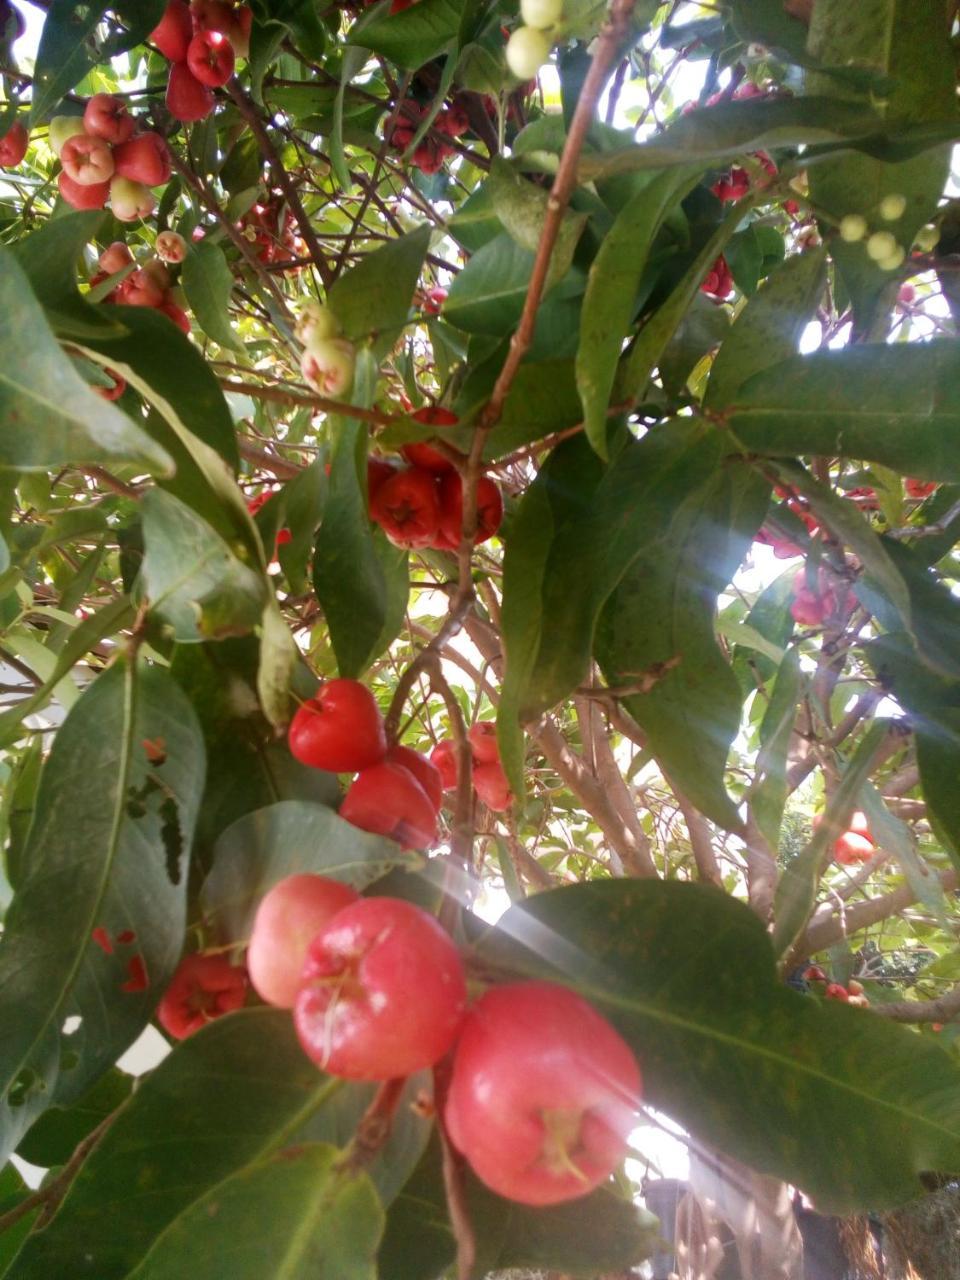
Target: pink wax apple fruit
x: 386, y: 799
x: 107, y: 117
x: 288, y: 918
x: 383, y: 992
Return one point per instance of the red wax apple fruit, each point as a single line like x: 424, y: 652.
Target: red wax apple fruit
x: 489, y: 509
x: 145, y: 158
x: 444, y: 759
x: 87, y: 160
x: 13, y: 145
x: 387, y: 800
x: 339, y: 729
x: 204, y: 987
x: 491, y: 785
x: 289, y: 916
x: 211, y: 58
x: 79, y: 196
x: 543, y: 1093
x: 425, y: 772
x: 483, y: 742
x: 407, y: 508
x: 383, y: 992
x: 107, y: 117
x: 174, y: 31
x: 187, y: 99
x: 115, y: 257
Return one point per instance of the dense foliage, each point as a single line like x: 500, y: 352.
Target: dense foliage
x: 590, y: 371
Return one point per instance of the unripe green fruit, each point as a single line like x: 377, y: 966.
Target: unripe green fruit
x: 894, y: 260
x: 893, y: 207
x: 327, y: 366
x: 61, y: 129
x: 853, y: 228
x: 881, y: 245
x: 527, y: 51
x: 541, y: 14
x: 316, y: 323
x: 928, y: 238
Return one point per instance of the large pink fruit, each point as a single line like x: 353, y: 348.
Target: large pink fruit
x: 288, y: 919
x: 543, y: 1094
x: 383, y: 992
x: 339, y: 729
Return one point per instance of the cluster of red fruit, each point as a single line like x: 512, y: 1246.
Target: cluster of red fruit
x: 853, y: 993
x: 486, y: 772
x: 431, y: 151
x: 718, y: 282
x: 103, y: 157
x: 829, y: 598
x: 271, y: 229
x: 542, y: 1091
x: 202, y: 41
x: 149, y: 285
x: 422, y: 505
x: 397, y: 792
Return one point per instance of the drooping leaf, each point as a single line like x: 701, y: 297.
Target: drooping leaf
x: 294, y: 1214
x: 885, y: 1101
x: 897, y: 405
x: 192, y: 578
x: 245, y: 1079
x: 49, y: 417
x: 769, y: 328
x: 106, y: 860
x: 285, y: 839
x: 610, y: 300
x: 208, y: 284
x: 374, y: 296
x: 49, y: 257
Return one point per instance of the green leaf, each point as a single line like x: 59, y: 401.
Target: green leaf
x: 243, y: 1078
x: 770, y: 790
x: 611, y: 297
x: 600, y: 1231
x: 487, y: 296
x: 885, y: 1101
x: 522, y: 206
x: 168, y: 370
x: 49, y: 417
x: 358, y: 577
x: 797, y: 888
x: 906, y: 43
x: 413, y: 36
x: 58, y: 1132
x: 285, y: 839
x: 278, y: 661
x: 63, y: 56
x: 730, y: 129
x: 561, y: 496
x: 662, y: 612
x: 49, y: 259
x: 897, y: 405
x: 768, y: 330
x: 108, y: 849
x: 108, y: 620
x: 13, y: 1190
x: 295, y: 1214
x: 208, y: 284
x: 192, y: 578
x: 374, y: 297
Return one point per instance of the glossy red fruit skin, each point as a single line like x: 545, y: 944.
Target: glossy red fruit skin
x: 210, y: 58
x: 13, y: 145
x: 387, y: 800
x: 425, y: 772
x: 852, y: 848
x: 483, y: 742
x: 288, y: 918
x: 835, y: 991
x: 145, y: 159
x: 531, y: 1048
x: 444, y: 759
x: 491, y: 785
x: 339, y: 729
x: 204, y: 987
x: 176, y: 314
x: 107, y: 117
x: 423, y: 455
x: 79, y: 196
x: 401, y: 998
x: 407, y: 508
x: 489, y: 510
x: 174, y: 31
x: 378, y: 473
x: 187, y: 99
